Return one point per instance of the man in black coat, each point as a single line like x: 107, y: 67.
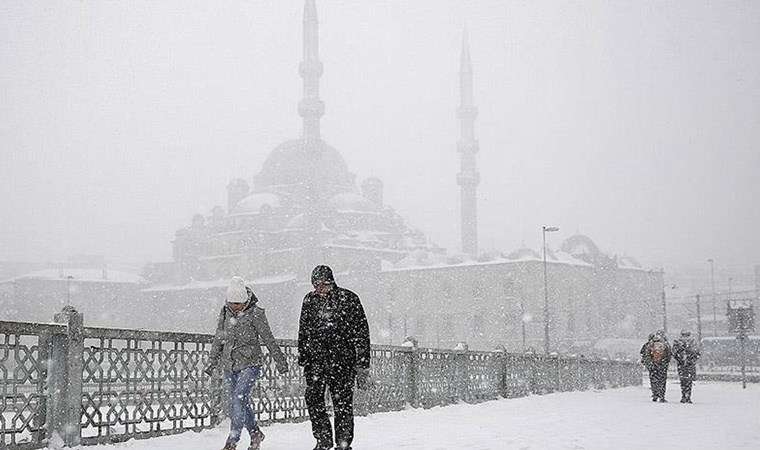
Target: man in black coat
x: 686, y: 353
x: 334, y: 350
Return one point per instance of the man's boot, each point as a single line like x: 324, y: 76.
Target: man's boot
x: 323, y: 446
x: 257, y: 437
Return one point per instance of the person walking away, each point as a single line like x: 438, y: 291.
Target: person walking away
x: 242, y: 328
x: 656, y: 357
x: 686, y: 354
x: 646, y: 360
x: 334, y: 350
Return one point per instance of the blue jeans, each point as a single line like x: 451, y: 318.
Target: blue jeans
x: 241, y: 413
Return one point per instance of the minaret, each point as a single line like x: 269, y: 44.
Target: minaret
x: 311, y: 108
x: 468, y: 177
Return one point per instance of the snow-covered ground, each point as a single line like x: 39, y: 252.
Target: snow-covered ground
x: 723, y: 416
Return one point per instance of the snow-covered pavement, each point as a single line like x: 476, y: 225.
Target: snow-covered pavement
x: 722, y: 417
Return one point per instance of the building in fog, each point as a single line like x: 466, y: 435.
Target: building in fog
x: 305, y: 207
x: 107, y: 297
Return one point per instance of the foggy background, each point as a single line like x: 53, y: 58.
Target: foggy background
x: 636, y: 123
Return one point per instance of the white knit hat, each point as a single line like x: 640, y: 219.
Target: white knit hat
x: 236, y: 293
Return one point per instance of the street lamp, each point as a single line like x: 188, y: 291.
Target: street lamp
x: 714, y: 304
x: 68, y: 289
x: 664, y: 303
x: 545, y: 230
x: 699, y: 321
x: 524, y: 319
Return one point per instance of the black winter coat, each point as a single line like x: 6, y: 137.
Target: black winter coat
x: 686, y: 353
x: 333, y: 332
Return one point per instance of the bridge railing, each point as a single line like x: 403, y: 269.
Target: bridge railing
x: 86, y: 385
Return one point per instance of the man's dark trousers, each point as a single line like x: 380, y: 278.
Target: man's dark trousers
x: 687, y: 374
x: 340, y: 382
x: 658, y: 376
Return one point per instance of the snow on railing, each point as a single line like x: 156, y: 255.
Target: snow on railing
x: 85, y: 385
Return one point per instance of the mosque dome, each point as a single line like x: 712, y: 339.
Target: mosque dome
x: 295, y: 161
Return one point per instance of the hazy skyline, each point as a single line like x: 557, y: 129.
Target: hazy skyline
x: 634, y: 123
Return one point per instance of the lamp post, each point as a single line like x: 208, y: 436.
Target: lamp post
x: 68, y: 289
x: 714, y: 304
x: 545, y: 230
x: 664, y: 305
x: 523, y: 319
x: 699, y: 321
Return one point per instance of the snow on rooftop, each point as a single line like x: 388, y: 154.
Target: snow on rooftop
x: 427, y: 260
x: 82, y: 275
x: 220, y: 283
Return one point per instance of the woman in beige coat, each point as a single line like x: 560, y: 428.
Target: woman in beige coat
x: 241, y: 329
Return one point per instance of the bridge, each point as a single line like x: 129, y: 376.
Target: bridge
x: 65, y: 384
x: 723, y: 416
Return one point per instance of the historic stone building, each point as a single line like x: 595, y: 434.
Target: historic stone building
x: 305, y: 207
x: 106, y: 296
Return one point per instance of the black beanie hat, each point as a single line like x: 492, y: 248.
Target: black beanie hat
x: 322, y: 274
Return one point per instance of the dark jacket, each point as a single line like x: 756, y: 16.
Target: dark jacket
x: 333, y: 332
x: 685, y: 352
x: 238, y: 339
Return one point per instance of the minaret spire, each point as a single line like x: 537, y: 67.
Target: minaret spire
x: 468, y: 177
x: 311, y: 108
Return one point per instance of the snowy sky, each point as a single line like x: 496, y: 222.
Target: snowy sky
x: 637, y: 123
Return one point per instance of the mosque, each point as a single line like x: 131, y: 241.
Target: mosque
x: 305, y: 207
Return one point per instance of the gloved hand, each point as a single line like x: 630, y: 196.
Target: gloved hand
x: 282, y: 367
x: 362, y: 378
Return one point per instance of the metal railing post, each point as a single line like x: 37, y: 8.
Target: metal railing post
x: 64, y: 410
x: 411, y: 371
x: 500, y: 367
x: 461, y: 366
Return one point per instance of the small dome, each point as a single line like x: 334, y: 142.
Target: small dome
x: 349, y: 201
x: 255, y: 202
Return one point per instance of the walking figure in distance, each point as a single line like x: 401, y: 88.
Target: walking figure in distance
x: 241, y: 328
x: 655, y: 355
x: 686, y: 354
x: 334, y: 350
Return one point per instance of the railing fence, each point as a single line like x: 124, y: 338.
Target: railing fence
x: 82, y: 385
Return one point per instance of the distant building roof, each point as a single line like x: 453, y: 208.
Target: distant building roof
x: 220, y: 284
x: 81, y: 275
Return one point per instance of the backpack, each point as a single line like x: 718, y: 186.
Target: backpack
x: 657, y: 351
